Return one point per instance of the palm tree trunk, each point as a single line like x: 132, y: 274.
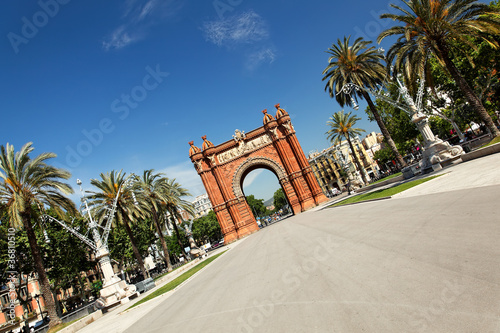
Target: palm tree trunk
x: 468, y: 92
x: 135, y: 249
x: 43, y: 281
x: 383, y: 129
x: 162, y: 240
x: 176, y: 229
x: 58, y: 305
x: 356, y: 160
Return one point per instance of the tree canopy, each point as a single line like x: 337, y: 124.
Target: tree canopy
x: 206, y: 228
x: 279, y: 199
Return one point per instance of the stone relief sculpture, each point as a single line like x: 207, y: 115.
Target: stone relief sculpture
x: 239, y: 135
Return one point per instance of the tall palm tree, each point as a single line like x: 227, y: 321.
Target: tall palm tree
x: 111, y: 185
x: 428, y: 27
x: 363, y: 67
x: 154, y: 190
x: 27, y: 182
x: 176, y: 204
x: 342, y: 126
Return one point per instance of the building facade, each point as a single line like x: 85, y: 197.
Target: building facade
x: 373, y: 143
x: 334, y: 167
x: 18, y: 302
x: 202, y: 205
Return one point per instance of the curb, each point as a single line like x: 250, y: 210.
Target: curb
x: 493, y: 149
x: 355, y: 203
x: 81, y: 323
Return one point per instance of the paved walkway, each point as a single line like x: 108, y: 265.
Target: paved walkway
x: 427, y: 260
x: 119, y: 319
x: 480, y: 172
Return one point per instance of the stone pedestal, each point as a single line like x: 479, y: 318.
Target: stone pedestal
x: 114, y: 289
x: 436, y: 150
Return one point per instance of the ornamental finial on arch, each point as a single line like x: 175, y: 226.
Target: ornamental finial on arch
x: 281, y: 112
x: 193, y: 149
x: 267, y: 116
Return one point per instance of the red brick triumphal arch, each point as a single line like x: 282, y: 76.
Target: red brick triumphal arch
x: 273, y: 146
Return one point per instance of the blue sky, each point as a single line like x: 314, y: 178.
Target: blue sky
x: 127, y: 84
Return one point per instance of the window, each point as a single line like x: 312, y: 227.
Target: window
x: 23, y: 292
x: 28, y: 307
x: 5, y: 300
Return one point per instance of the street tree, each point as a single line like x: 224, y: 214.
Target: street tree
x: 128, y: 208
x: 25, y: 183
x: 65, y: 256
x: 428, y: 28
x: 342, y: 126
x: 206, y: 228
x: 154, y: 191
x: 175, y: 204
x: 357, y: 64
x: 256, y: 205
x: 279, y: 199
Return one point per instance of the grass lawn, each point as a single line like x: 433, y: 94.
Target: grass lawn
x: 177, y: 281
x: 492, y: 142
x: 162, y: 275
x: 383, y: 193
x: 388, y: 177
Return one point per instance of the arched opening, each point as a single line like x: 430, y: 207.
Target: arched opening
x: 260, y: 185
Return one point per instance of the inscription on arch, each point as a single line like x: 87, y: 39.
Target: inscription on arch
x: 244, y: 147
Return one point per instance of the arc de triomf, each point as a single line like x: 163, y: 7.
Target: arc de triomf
x: 273, y: 146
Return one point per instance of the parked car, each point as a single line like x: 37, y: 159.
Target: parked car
x: 40, y: 324
x: 335, y: 191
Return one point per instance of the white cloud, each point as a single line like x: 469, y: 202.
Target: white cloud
x: 146, y: 9
x: 249, y: 179
x: 186, y: 175
x: 246, y: 28
x: 255, y: 59
x: 247, y: 33
x: 138, y: 17
x: 119, y: 39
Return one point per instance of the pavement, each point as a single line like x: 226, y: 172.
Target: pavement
x: 426, y: 260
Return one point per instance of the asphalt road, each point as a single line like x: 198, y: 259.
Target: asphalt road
x: 425, y: 263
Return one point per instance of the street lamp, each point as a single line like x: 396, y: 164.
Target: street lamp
x: 37, y: 297
x: 435, y: 150
x: 114, y: 289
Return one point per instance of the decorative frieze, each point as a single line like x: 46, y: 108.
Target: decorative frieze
x: 243, y: 148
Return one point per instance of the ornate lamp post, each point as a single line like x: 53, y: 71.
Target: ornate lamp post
x: 348, y: 168
x: 435, y: 149
x: 114, y: 289
x: 37, y: 297
x: 194, y: 251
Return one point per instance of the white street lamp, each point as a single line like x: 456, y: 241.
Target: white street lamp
x: 114, y: 289
x: 435, y: 149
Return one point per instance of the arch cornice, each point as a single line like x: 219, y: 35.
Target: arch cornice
x: 254, y: 162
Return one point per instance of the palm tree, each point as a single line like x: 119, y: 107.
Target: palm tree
x: 363, y: 67
x: 342, y: 127
x: 27, y: 182
x: 114, y: 184
x: 428, y: 28
x: 176, y: 204
x: 154, y: 190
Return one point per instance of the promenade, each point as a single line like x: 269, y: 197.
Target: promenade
x: 426, y: 260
